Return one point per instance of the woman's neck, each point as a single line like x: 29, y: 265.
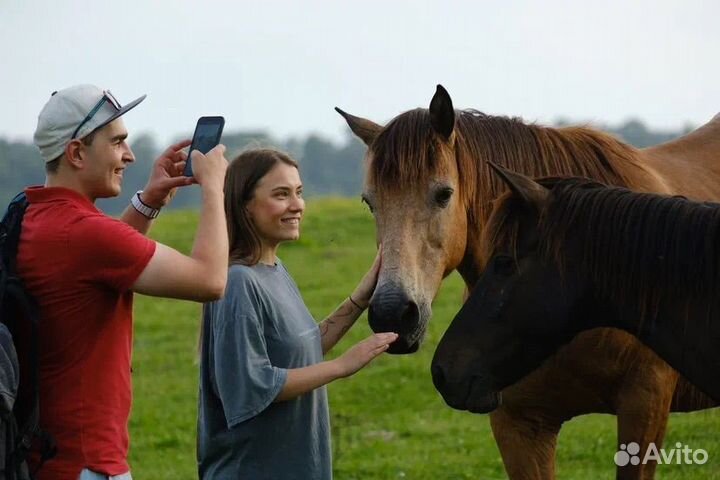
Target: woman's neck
x: 268, y: 254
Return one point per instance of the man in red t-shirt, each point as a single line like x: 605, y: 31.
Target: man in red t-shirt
x: 83, y: 267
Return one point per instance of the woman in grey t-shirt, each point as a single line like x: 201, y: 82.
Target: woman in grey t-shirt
x: 263, y: 411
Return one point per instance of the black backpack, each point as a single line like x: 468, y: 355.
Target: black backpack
x: 19, y: 317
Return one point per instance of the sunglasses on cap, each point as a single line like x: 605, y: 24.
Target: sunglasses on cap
x: 107, y: 97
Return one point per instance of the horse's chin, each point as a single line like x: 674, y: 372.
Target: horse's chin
x: 473, y: 396
x: 484, y: 403
x: 402, y: 347
x: 407, y: 343
x: 477, y: 403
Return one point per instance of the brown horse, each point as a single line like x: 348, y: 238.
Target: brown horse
x: 431, y: 195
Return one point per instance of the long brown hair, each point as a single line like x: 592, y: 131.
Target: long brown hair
x: 241, y: 179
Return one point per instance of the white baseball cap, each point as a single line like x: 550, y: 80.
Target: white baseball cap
x: 75, y: 112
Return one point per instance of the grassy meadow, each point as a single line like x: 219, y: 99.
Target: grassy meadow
x: 388, y: 420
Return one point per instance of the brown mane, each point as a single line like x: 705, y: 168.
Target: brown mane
x: 405, y: 153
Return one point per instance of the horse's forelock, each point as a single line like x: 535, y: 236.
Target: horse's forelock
x: 404, y: 152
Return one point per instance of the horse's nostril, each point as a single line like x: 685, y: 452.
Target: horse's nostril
x: 410, y: 314
x: 393, y: 312
x: 438, y: 376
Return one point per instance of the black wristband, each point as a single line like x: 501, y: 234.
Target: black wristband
x: 355, y: 303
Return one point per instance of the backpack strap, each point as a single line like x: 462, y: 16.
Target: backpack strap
x: 10, y: 231
x: 12, y: 288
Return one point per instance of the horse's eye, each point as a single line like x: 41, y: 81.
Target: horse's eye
x: 442, y: 196
x: 504, y: 265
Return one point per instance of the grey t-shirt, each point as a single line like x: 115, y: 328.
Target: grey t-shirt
x: 258, y: 330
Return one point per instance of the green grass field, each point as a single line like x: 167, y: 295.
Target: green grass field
x: 388, y: 420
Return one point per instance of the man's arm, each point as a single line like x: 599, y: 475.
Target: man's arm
x: 166, y: 176
x: 202, y: 275
x: 137, y: 220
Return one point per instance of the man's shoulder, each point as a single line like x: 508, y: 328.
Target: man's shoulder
x: 58, y: 222
x: 95, y: 233
x: 96, y: 217
x: 66, y: 212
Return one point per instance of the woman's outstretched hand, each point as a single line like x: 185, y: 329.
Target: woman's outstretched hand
x: 363, y: 353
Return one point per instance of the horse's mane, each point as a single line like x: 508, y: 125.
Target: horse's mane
x: 406, y: 152
x: 637, y: 248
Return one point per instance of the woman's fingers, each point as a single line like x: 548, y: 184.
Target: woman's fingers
x: 378, y: 350
x: 380, y: 342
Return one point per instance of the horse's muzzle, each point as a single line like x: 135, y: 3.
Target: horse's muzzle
x: 391, y: 310
x: 473, y: 394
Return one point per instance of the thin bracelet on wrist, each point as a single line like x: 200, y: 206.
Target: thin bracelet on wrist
x: 355, y: 303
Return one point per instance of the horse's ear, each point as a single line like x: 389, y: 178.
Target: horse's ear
x: 528, y: 190
x: 365, y: 129
x: 442, y: 113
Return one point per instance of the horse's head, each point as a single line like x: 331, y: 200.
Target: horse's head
x: 413, y: 189
x: 520, y: 311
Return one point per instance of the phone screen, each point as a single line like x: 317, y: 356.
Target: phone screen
x: 206, y: 137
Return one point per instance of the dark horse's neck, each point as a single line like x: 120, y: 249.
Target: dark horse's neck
x: 653, y: 260
x: 686, y: 337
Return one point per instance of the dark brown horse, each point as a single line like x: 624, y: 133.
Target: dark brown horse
x: 431, y: 195
x: 568, y: 255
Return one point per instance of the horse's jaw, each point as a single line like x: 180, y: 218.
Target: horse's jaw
x: 472, y: 395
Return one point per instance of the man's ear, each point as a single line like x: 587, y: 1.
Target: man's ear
x: 75, y: 153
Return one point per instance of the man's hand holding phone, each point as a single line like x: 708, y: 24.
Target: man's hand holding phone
x: 174, y: 168
x: 207, y: 134
x: 166, y: 176
x: 209, y: 169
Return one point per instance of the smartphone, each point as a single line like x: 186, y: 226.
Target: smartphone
x: 206, y: 137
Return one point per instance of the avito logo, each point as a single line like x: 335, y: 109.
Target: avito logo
x: 680, y: 455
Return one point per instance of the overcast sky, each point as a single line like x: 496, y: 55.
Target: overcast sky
x: 283, y: 65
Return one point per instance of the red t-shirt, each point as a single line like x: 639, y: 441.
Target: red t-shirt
x: 80, y: 264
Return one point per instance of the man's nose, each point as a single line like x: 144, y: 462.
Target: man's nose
x: 129, y: 156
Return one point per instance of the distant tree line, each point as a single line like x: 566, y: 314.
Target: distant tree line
x: 328, y: 168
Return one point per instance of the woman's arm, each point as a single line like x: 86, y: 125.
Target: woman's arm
x: 339, y: 322
x: 302, y: 380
